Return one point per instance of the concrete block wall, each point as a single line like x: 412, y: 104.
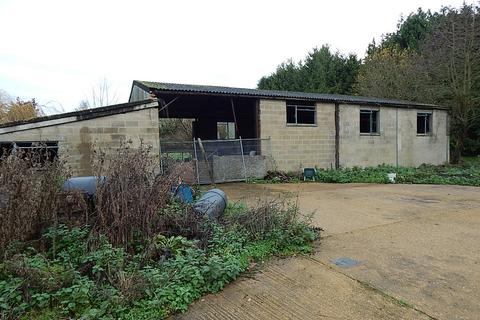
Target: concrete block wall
x: 407, y: 149
x: 294, y: 147
x: 366, y: 150
x: 414, y: 149
x: 76, y: 138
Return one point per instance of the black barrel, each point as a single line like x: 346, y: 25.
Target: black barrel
x: 212, y: 204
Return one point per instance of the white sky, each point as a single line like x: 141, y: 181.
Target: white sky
x: 56, y: 51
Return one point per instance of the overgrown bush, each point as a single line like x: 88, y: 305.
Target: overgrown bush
x: 128, y: 201
x: 160, y: 277
x: 138, y: 254
x: 30, y: 194
x: 466, y: 174
x: 280, y: 176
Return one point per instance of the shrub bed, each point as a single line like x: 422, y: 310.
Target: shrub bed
x: 468, y: 174
x: 134, y: 254
x: 85, y: 276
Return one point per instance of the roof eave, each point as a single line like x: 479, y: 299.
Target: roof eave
x: 327, y: 100
x: 82, y: 114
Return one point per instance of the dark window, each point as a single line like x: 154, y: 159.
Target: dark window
x: 38, y: 152
x: 5, y: 149
x: 368, y: 121
x: 300, y: 114
x: 291, y: 111
x: 424, y: 123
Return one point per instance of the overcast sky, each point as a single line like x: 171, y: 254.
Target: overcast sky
x: 56, y: 50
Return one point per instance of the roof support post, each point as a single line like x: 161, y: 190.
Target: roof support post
x: 397, y: 144
x: 337, y: 136
x: 234, y: 118
x: 243, y: 159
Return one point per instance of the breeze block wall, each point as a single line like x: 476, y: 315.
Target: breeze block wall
x: 366, y: 150
x: 397, y: 141
x: 76, y: 138
x: 414, y: 149
x: 294, y: 147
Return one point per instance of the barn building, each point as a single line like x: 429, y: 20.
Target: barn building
x: 241, y: 127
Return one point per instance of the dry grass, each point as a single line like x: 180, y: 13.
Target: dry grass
x: 29, y: 196
x: 131, y: 205
x: 266, y: 216
x: 129, y: 202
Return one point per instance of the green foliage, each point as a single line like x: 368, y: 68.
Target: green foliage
x: 172, y: 245
x: 410, y: 33
x: 322, y: 71
x: 451, y: 56
x: 393, y: 73
x: 467, y: 174
x: 81, y: 275
x: 70, y: 244
x: 432, y: 57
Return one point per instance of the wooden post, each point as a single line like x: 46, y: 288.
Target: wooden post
x: 210, y: 170
x: 196, y: 160
x: 235, y: 118
x: 243, y: 159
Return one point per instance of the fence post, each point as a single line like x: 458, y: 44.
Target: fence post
x: 196, y: 160
x: 243, y: 159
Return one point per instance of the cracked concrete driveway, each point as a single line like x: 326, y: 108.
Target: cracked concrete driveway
x: 417, y: 248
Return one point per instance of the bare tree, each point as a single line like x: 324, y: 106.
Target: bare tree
x: 451, y: 55
x: 101, y: 95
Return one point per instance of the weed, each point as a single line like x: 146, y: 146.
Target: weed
x: 141, y: 255
x: 29, y: 196
x: 425, y: 174
x: 87, y: 277
x: 467, y: 173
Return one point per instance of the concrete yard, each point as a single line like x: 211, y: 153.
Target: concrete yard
x: 417, y: 248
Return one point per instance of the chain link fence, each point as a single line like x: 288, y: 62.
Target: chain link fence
x: 217, y: 161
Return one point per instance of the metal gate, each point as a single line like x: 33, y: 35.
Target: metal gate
x: 217, y: 161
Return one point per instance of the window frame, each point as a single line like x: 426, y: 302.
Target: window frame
x: 428, y: 117
x: 308, y: 107
x: 49, y: 148
x: 229, y: 129
x: 371, y: 112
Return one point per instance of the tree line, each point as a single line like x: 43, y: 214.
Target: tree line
x: 432, y: 57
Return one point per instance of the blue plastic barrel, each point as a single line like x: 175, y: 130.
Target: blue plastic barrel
x: 87, y: 185
x: 212, y: 204
x: 183, y: 192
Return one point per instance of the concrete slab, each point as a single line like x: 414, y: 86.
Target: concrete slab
x: 417, y: 246
x: 432, y: 262
x: 298, y: 288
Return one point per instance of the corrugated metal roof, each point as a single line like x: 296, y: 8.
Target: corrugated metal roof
x: 275, y: 94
